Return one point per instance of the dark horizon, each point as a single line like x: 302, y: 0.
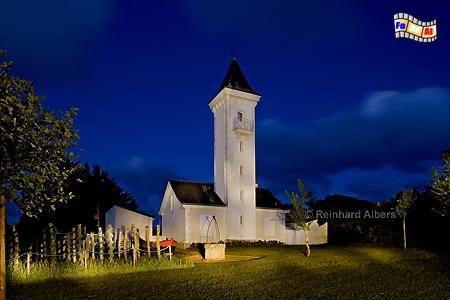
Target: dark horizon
x: 348, y: 108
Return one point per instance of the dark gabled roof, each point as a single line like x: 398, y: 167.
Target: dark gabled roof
x: 199, y: 193
x: 235, y: 79
x: 265, y: 199
x: 189, y: 192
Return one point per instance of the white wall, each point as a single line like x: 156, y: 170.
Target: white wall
x: 228, y: 159
x: 173, y: 216
x: 197, y: 220
x: 121, y: 218
x: 270, y: 224
x: 317, y: 235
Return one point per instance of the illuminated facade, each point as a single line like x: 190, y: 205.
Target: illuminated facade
x: 243, y: 211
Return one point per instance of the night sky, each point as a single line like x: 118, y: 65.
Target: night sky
x: 346, y: 106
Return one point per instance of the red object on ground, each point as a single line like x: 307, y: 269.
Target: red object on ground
x: 162, y: 244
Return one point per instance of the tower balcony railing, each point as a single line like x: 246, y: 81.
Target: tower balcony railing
x: 244, y: 126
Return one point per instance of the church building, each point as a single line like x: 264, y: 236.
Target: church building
x: 234, y: 207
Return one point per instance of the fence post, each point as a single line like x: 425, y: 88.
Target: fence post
x: 44, y: 246
x: 170, y: 252
x: 125, y: 244
x: 133, y: 243
x: 93, y: 245
x: 86, y: 251
x: 74, y: 246
x: 147, y: 239
x: 158, y: 249
x: 119, y: 243
x: 79, y: 243
x: 28, y: 260
x: 16, y: 248
x: 51, y: 230
x: 137, y: 243
x: 58, y: 250
x: 100, y: 243
x: 66, y: 247
x: 110, y: 243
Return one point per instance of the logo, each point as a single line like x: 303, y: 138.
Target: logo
x: 406, y: 26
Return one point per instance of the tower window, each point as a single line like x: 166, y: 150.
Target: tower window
x: 241, y: 170
x: 242, y: 220
x: 241, y: 195
x: 241, y: 146
x: 171, y: 202
x: 240, y: 116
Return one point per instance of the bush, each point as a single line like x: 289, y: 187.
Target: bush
x: 260, y: 243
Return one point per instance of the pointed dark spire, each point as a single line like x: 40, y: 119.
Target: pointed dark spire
x: 235, y: 79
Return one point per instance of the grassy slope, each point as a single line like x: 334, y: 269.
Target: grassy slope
x: 331, y: 272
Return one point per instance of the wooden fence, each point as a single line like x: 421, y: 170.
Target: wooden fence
x: 78, y: 247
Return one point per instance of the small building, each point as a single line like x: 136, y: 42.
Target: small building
x: 122, y: 218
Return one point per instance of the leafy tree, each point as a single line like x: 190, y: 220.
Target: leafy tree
x: 441, y: 185
x: 299, y: 212
x: 94, y: 193
x: 34, y: 149
x: 404, y: 203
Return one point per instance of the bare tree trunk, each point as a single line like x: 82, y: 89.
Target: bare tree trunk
x: 158, y: 248
x: 308, y: 250
x: 2, y: 247
x: 404, y: 232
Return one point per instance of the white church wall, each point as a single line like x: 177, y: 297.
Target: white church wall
x: 242, y: 215
x: 173, y: 216
x: 318, y: 234
x: 198, y: 218
x: 236, y: 165
x: 219, y: 153
x: 121, y: 218
x: 269, y: 225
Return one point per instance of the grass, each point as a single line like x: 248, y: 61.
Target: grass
x: 42, y: 272
x: 282, y: 273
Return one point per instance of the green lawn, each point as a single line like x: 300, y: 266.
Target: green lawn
x: 282, y: 273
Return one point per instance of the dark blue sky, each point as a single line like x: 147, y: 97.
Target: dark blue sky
x: 345, y: 106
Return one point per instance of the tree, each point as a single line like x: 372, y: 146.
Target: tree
x: 94, y: 193
x: 441, y: 185
x: 404, y: 203
x: 299, y: 213
x: 34, y: 150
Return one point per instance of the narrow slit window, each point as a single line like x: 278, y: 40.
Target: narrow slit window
x: 241, y: 170
x: 240, y: 116
x: 242, y: 220
x: 241, y: 146
x: 241, y: 196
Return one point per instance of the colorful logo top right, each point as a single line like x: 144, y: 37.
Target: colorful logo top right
x: 406, y: 26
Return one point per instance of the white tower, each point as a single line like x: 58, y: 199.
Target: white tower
x: 234, y: 151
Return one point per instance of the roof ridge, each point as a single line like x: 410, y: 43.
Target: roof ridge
x: 190, y: 181
x: 135, y: 210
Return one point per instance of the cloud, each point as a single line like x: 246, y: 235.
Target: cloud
x: 389, y: 130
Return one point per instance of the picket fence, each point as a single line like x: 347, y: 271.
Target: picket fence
x: 78, y: 247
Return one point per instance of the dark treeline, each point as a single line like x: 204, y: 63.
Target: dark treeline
x: 375, y: 223
x: 95, y: 192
